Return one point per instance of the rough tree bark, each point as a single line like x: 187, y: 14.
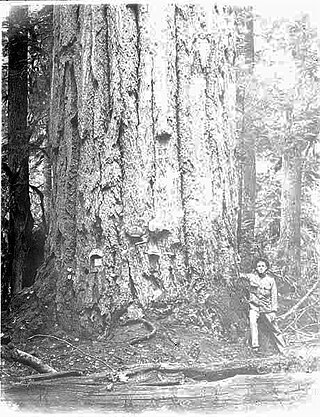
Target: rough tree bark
x: 290, y: 227
x: 205, y: 108
x: 144, y: 189
x: 246, y: 140
x: 20, y: 221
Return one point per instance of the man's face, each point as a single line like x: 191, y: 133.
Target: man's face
x: 261, y: 267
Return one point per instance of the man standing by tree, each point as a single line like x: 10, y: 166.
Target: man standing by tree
x: 263, y: 303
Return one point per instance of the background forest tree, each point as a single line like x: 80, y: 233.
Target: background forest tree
x: 288, y: 146
x: 169, y: 160
x: 25, y: 93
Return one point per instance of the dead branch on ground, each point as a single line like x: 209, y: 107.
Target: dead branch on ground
x: 48, y: 376
x: 10, y: 353
x: 299, y: 303
x: 296, y: 318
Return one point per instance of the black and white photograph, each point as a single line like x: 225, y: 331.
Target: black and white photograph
x: 160, y: 208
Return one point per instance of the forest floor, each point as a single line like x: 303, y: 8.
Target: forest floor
x: 173, y: 343
x: 176, y: 369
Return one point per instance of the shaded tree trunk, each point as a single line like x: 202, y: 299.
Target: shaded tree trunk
x: 21, y: 222
x: 144, y: 187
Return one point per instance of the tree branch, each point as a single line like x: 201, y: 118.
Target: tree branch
x: 49, y: 376
x: 10, y: 353
x: 298, y: 304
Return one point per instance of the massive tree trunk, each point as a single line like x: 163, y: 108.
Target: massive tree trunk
x: 246, y: 140
x: 290, y: 228
x: 205, y: 117
x: 144, y: 190
x: 20, y: 222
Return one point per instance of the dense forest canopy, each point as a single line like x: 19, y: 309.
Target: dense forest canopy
x: 150, y: 153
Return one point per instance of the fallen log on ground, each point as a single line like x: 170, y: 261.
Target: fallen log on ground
x: 12, y: 354
x: 215, y: 371
x: 208, y: 372
x: 165, y: 374
x: 84, y: 393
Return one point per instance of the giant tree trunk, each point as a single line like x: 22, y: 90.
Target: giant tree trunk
x: 20, y: 222
x: 246, y: 140
x: 144, y: 188
x: 290, y: 228
x: 205, y: 117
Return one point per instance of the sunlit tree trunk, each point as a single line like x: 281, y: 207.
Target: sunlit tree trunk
x: 206, y: 109
x: 290, y: 227
x: 144, y: 189
x: 20, y: 222
x: 296, y: 141
x: 246, y: 140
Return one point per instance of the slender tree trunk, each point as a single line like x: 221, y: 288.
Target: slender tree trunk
x: 21, y: 222
x: 246, y: 147
x: 144, y: 188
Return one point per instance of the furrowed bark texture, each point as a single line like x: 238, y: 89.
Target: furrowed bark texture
x: 205, y: 106
x: 290, y: 228
x: 144, y: 185
x: 20, y: 218
x: 246, y: 140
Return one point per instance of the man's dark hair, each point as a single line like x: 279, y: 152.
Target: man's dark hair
x: 261, y: 260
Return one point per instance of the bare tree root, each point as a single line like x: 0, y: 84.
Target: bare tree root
x: 299, y: 303
x: 74, y: 347
x: 10, y: 353
x: 149, y: 326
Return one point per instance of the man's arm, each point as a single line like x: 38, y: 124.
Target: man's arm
x: 249, y: 279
